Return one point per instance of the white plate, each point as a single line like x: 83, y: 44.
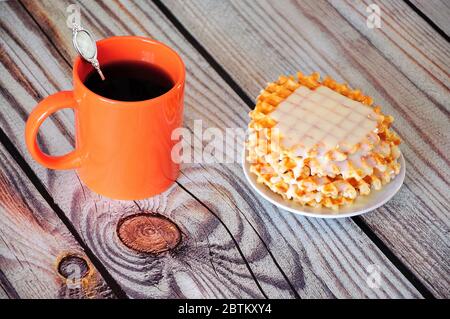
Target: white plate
x: 362, y: 204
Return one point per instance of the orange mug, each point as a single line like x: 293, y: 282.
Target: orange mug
x: 123, y: 149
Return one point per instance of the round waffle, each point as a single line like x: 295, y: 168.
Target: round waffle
x: 320, y: 143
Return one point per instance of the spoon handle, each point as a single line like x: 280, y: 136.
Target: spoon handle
x: 86, y: 47
x: 97, y: 67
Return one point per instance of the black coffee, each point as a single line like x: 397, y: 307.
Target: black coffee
x: 129, y: 81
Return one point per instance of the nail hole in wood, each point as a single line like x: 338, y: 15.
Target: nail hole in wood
x: 73, y: 267
x: 148, y: 233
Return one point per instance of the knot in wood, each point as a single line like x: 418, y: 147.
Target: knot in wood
x: 73, y: 267
x: 148, y: 233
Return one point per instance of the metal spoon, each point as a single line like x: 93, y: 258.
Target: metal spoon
x: 86, y: 47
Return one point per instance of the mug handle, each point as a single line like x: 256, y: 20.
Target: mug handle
x: 44, y: 109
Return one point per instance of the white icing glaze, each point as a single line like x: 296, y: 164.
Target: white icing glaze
x: 322, y: 118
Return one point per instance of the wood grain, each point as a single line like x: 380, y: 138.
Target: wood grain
x: 32, y: 241
x: 257, y: 41
x: 406, y: 40
x: 309, y: 252
x: 7, y: 290
x: 437, y: 11
x: 207, y: 263
x: 3, y: 293
x: 149, y: 233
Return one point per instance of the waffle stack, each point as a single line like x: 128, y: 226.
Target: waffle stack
x: 320, y: 143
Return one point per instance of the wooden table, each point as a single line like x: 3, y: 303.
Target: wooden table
x: 59, y: 239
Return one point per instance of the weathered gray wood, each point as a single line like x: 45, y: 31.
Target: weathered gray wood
x: 33, y: 240
x: 437, y: 11
x: 310, y: 252
x: 409, y: 43
x: 208, y: 262
x: 259, y: 40
x: 7, y: 290
x: 3, y: 294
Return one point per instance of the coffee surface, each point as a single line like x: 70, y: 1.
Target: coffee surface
x: 130, y: 81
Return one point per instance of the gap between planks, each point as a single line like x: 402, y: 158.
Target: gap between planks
x: 40, y: 187
x: 114, y: 285
x: 428, y: 20
x: 14, y: 152
x: 411, y: 277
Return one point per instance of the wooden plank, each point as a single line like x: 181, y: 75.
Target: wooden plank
x: 198, y: 181
x: 437, y: 11
x: 32, y: 242
x: 409, y: 42
x: 229, y: 191
x: 207, y: 263
x: 3, y: 293
x: 311, y: 253
x: 257, y: 41
x: 7, y: 290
